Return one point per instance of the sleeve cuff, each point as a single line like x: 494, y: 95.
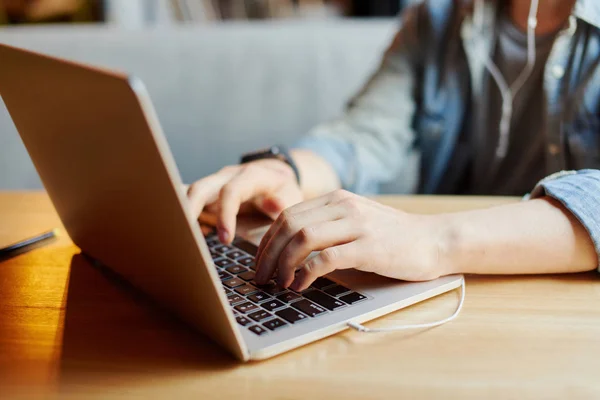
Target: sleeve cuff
x: 338, y: 153
x: 579, y: 192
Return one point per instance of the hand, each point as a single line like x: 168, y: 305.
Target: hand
x: 351, y: 232
x: 268, y: 186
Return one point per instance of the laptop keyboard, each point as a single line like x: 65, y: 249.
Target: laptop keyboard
x: 266, y: 308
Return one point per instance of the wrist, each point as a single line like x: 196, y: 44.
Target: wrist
x: 431, y: 246
x: 317, y: 175
x: 281, y: 167
x: 274, y: 152
x: 447, y: 244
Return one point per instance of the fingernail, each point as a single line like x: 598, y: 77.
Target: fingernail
x: 223, y: 236
x: 295, y: 286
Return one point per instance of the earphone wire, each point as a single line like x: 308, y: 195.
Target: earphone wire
x: 509, y: 93
x: 362, y: 328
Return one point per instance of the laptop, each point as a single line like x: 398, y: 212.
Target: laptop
x: 97, y: 144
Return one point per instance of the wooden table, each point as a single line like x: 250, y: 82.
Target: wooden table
x: 68, y: 331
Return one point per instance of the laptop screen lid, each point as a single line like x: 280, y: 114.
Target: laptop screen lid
x: 96, y: 143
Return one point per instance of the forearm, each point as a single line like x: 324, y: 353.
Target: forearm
x: 317, y: 176
x: 534, y: 237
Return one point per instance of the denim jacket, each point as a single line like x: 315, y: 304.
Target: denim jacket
x: 413, y: 109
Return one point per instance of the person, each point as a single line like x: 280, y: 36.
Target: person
x: 457, y: 90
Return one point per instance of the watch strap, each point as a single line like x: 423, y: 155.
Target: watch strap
x: 274, y: 152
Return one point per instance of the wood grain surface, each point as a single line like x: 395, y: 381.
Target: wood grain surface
x: 69, y: 330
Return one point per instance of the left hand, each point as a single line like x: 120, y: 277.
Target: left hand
x: 350, y: 231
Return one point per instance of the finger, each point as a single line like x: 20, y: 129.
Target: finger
x: 212, y: 207
x: 344, y: 256
x: 249, y: 183
x: 313, y: 238
x: 296, y: 209
x: 318, y: 201
x: 335, y: 197
x: 206, y: 190
x: 273, y: 204
x: 288, y: 226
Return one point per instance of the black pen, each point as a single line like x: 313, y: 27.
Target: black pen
x: 27, y: 244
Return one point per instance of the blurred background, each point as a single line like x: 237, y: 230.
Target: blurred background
x: 164, y: 12
x: 225, y: 77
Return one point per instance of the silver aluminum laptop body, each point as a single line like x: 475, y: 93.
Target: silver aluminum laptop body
x: 98, y: 147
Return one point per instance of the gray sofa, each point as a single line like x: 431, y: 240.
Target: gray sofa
x: 219, y: 90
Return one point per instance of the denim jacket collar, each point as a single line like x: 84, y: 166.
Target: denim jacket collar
x: 588, y: 11
x: 482, y: 38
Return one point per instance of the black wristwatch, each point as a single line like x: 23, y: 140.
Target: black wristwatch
x: 275, y: 152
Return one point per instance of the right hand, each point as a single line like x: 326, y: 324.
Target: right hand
x: 268, y: 186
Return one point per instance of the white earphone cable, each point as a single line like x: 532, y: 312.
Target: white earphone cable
x: 508, y: 93
x: 362, y: 328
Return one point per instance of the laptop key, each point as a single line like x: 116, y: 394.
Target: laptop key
x: 324, y: 300
x: 218, y: 260
x: 353, y: 297
x: 247, y: 276
x: 259, y: 315
x: 248, y: 262
x: 235, y: 282
x: 290, y: 315
x: 258, y: 297
x: 246, y: 289
x: 222, y: 249
x: 224, y: 276
x: 308, y: 308
x: 272, y: 288
x: 235, y: 298
x: 235, y: 254
x: 272, y: 304
x: 246, y: 307
x: 259, y: 330
x: 246, y: 246
x: 275, y: 324
x: 288, y: 297
x: 242, y: 320
x: 236, y: 269
x: 224, y: 263
x: 336, y: 290
x: 275, y: 290
x: 214, y: 254
x: 321, y: 283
